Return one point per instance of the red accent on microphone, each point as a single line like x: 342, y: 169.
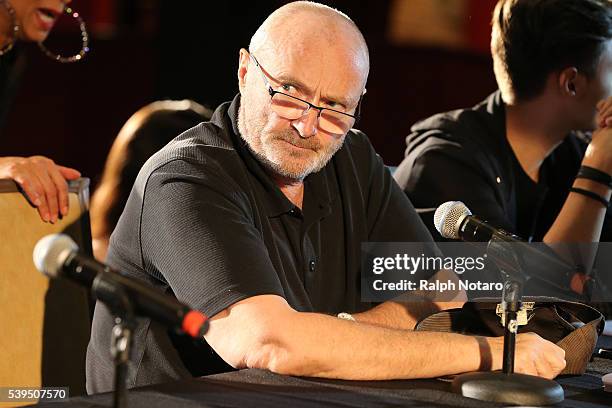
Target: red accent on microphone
x: 195, y: 324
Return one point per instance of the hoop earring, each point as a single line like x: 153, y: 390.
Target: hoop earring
x: 15, y: 31
x: 84, y: 39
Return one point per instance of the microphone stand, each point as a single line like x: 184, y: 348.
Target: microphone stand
x: 121, y: 344
x: 507, y: 386
x: 511, y: 305
x: 117, y: 300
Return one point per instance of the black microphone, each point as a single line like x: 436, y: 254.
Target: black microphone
x: 57, y: 255
x: 455, y: 221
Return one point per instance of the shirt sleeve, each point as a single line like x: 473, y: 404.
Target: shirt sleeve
x: 446, y: 173
x: 199, y: 233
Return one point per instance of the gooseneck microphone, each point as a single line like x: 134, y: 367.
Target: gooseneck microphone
x: 455, y: 221
x: 57, y: 256
x: 517, y: 259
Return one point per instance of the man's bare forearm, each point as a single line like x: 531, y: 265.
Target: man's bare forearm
x: 581, y: 217
x: 264, y: 332
x: 323, y: 346
x: 402, y: 315
x: 406, y: 311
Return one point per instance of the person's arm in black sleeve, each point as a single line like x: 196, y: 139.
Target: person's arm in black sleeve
x: 199, y: 232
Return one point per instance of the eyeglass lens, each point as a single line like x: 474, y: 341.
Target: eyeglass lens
x: 329, y: 121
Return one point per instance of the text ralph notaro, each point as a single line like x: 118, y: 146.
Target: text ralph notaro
x: 436, y: 286
x: 412, y: 264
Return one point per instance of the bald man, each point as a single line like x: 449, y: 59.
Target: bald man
x: 256, y: 218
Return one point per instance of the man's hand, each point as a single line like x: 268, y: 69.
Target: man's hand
x: 533, y: 355
x: 599, y: 152
x: 43, y: 182
x: 604, y: 113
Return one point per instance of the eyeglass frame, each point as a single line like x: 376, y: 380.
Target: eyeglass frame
x: 273, y: 92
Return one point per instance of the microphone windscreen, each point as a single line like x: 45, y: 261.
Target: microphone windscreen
x: 50, y: 253
x: 448, y: 216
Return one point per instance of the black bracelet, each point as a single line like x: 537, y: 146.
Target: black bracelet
x: 593, y: 174
x: 591, y: 194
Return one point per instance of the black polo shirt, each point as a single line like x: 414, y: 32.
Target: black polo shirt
x: 464, y: 155
x: 206, y: 223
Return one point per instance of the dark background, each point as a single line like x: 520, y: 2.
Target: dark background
x: 144, y: 50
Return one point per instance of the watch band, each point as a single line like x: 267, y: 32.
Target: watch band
x: 346, y: 316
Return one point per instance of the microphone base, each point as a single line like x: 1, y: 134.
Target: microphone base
x: 513, y: 389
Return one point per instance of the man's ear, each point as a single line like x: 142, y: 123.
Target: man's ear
x: 571, y: 82
x: 243, y: 65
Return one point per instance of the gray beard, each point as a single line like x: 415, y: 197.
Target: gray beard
x: 323, y: 157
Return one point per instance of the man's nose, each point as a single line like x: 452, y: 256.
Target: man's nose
x: 307, y: 125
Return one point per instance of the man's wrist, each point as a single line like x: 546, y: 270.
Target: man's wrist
x: 491, y: 353
x: 593, y: 174
x: 594, y: 187
x: 596, y: 161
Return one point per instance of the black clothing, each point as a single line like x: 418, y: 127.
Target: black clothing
x: 206, y: 223
x: 464, y: 155
x: 12, y: 65
x: 264, y: 389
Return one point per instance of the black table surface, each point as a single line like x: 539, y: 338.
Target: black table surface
x: 260, y: 388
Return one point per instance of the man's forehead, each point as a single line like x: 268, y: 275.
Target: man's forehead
x: 340, y: 71
x: 310, y: 77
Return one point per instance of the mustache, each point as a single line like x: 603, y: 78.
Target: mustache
x: 294, y: 138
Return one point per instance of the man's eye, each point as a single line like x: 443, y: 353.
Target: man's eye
x: 335, y: 106
x: 287, y: 87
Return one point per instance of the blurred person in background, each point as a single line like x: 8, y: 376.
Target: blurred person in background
x: 525, y: 159
x: 145, y: 132
x: 42, y: 180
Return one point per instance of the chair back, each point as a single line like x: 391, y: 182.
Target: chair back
x: 45, y: 323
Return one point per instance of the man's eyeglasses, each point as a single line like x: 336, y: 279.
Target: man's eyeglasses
x: 292, y: 108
